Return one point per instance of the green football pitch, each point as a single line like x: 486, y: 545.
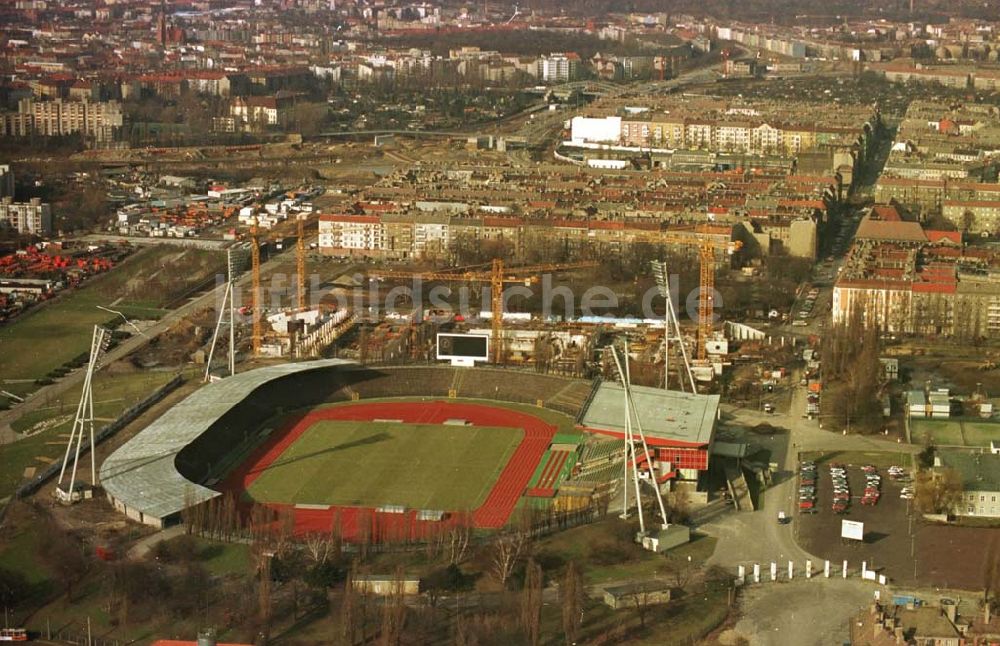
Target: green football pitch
x: 420, y: 466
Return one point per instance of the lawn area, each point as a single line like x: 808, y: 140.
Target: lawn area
x: 421, y: 466
x: 980, y: 433
x: 220, y: 559
x: 19, y: 553
x: 880, y: 459
x: 939, y: 432
x: 606, y: 552
x: 50, y: 425
x: 50, y: 335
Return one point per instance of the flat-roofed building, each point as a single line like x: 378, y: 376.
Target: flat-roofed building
x: 32, y: 217
x: 679, y: 426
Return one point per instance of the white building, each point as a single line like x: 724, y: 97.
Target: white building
x: 558, y: 68
x: 351, y: 234
x: 26, y: 217
x: 596, y: 130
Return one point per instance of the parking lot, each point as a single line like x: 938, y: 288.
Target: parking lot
x: 887, y: 543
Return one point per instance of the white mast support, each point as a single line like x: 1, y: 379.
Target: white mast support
x: 649, y: 460
x: 85, y: 413
x: 625, y: 472
x: 629, y: 440
x: 232, y: 319
x: 226, y: 296
x: 680, y: 342
x: 663, y: 284
x: 666, y: 349
x: 79, y: 412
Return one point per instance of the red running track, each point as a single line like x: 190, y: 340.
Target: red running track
x: 357, y: 523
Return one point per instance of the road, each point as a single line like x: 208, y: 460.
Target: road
x: 816, y: 611
x: 757, y: 537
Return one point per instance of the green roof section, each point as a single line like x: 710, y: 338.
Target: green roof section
x: 979, y: 471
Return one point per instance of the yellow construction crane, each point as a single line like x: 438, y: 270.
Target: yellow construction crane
x: 497, y: 276
x: 707, y: 249
x: 300, y: 261
x: 258, y: 333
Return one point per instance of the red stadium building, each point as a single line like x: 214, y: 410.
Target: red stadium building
x: 679, y: 427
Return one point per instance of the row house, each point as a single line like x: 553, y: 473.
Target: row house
x: 436, y: 236
x: 727, y: 136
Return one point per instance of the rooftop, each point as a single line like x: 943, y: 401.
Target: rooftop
x: 890, y: 230
x: 979, y: 471
x: 667, y: 416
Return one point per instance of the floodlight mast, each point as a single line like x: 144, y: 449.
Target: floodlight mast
x: 84, y: 420
x: 630, y: 442
x: 671, y: 327
x: 226, y: 308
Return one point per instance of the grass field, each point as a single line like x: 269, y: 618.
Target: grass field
x: 50, y: 424
x: 938, y: 432
x: 954, y: 432
x: 50, y: 335
x: 980, y: 433
x: 420, y: 466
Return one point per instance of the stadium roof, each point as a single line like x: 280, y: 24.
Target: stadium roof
x: 142, y: 475
x: 667, y: 416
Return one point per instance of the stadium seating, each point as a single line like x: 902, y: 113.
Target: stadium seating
x: 206, y: 457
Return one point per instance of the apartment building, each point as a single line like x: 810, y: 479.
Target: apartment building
x: 31, y: 217
x: 96, y: 121
x: 911, y: 281
x: 258, y: 112
x: 980, y: 475
x: 6, y: 181
x: 352, y: 235
x: 559, y: 68
x: 722, y: 134
x: 436, y: 236
x: 973, y: 216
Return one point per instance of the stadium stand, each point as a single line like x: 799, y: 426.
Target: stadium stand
x: 164, y: 468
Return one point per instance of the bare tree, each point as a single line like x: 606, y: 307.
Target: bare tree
x: 458, y: 536
x: 349, y: 612
x: 506, y: 551
x: 571, y: 596
x: 531, y: 602
x: 393, y: 612
x: 641, y: 600
x: 318, y: 547
x: 938, y: 491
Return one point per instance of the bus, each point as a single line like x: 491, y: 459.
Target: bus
x: 13, y: 635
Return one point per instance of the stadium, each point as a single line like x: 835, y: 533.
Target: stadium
x: 395, y: 451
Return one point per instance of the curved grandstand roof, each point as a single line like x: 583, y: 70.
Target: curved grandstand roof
x: 142, y: 474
